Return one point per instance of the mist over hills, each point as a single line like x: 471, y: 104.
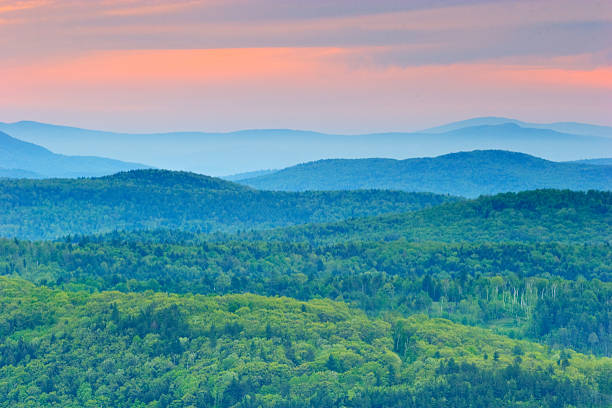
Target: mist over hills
x: 18, y: 173
x: 575, y: 128
x: 20, y: 159
x: 467, y: 174
x: 249, y: 174
x: 220, y: 154
x: 597, y: 162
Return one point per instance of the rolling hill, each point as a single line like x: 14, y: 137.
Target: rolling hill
x: 467, y: 174
x: 147, y: 199
x: 158, y: 349
x: 530, y: 216
x: 221, y: 154
x: 20, y: 159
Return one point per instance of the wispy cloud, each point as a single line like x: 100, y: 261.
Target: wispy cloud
x: 11, y: 6
x: 146, y: 8
x: 443, y: 32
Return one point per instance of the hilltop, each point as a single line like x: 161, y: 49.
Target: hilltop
x: 467, y: 174
x: 149, y: 199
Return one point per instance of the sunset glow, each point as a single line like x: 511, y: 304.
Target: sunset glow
x: 212, y: 65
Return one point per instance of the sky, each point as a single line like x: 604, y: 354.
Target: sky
x: 342, y: 66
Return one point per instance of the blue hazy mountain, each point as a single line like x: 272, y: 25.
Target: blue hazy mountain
x: 249, y: 174
x: 597, y: 162
x: 18, y: 173
x: 467, y: 174
x: 20, y: 159
x: 221, y: 154
x: 575, y: 128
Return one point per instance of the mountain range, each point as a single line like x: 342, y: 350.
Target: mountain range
x: 575, y: 128
x: 252, y: 150
x: 467, y: 174
x: 19, y: 159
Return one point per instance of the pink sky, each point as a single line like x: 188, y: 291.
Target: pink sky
x: 344, y: 66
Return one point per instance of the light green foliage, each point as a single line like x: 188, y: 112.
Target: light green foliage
x: 115, y: 349
x: 363, y: 313
x: 540, y: 291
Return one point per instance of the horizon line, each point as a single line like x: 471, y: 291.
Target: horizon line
x: 272, y: 129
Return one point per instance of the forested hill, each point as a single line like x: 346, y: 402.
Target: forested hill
x: 146, y: 199
x: 142, y: 180
x: 467, y: 174
x: 519, y: 288
x: 159, y: 350
x: 539, y: 215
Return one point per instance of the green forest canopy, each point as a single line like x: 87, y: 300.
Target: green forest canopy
x: 153, y: 349
x: 500, y: 301
x: 466, y: 174
x: 555, y: 293
x: 529, y: 216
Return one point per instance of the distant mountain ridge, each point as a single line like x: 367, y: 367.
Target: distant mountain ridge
x: 220, y: 153
x: 20, y: 159
x: 583, y: 129
x: 597, y: 162
x: 18, y: 173
x: 249, y: 174
x: 467, y: 174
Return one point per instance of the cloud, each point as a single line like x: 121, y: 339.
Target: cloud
x: 140, y: 9
x: 311, y: 88
x: 12, y: 6
x: 414, y: 33
x: 330, y: 65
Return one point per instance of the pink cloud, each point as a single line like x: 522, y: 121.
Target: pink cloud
x: 311, y: 88
x: 11, y: 6
x: 135, y: 8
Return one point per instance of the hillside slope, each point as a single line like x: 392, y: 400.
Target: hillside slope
x: 30, y: 160
x: 467, y: 174
x: 471, y: 283
x: 155, y: 349
x: 146, y: 199
x: 530, y: 216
